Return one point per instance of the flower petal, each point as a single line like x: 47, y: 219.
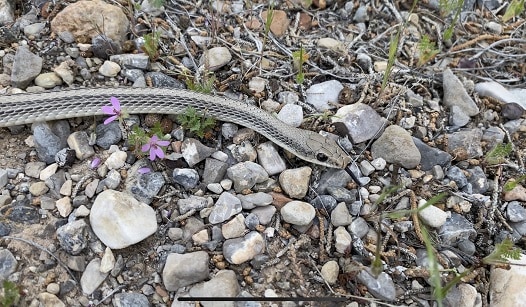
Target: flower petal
x: 152, y: 153
x: 110, y: 119
x: 154, y: 139
x: 159, y: 152
x: 115, y: 103
x: 108, y: 110
x: 144, y: 170
x: 163, y: 143
x: 145, y: 147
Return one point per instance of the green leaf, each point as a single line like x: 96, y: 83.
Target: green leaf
x: 502, y: 253
x: 498, y: 154
x: 515, y: 8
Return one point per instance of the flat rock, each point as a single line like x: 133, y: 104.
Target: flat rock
x: 119, y: 220
x: 396, y: 146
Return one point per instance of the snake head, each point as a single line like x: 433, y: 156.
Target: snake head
x: 326, y: 152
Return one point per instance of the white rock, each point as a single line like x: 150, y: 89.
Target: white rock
x: 116, y: 160
x: 108, y: 261
x: 92, y: 277
x: 431, y: 215
x: 109, y: 69
x: 322, y: 94
x: 342, y: 239
x: 215, y: 58
x: 298, y: 213
x: 119, y: 220
x: 291, y: 114
x: 507, y: 286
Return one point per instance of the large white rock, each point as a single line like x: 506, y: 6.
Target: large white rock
x: 119, y: 220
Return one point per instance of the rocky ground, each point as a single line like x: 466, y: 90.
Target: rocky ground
x: 229, y: 214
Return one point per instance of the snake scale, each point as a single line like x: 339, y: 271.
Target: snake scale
x: 29, y: 108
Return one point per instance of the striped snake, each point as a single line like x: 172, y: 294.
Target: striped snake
x: 46, y: 106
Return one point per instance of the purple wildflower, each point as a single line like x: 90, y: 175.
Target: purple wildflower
x: 154, y: 146
x: 114, y: 110
x: 95, y: 163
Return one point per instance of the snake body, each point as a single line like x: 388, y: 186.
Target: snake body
x: 29, y: 108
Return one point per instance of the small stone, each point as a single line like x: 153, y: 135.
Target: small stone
x: 215, y: 58
x: 431, y: 215
x: 396, y: 145
x: 109, y: 69
x: 291, y: 114
x: 340, y: 216
x: 295, y: 182
x: 92, y: 277
x: 182, y: 270
x: 239, y: 250
x: 298, y: 213
x: 342, y: 240
x: 330, y: 271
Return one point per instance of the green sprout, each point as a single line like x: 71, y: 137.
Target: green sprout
x: 10, y: 295
x: 498, y: 154
x: 190, y: 119
x: 298, y: 58
x: 427, y: 50
x: 151, y: 45
x: 515, y: 8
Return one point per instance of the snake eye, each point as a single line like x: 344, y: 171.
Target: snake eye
x: 321, y: 157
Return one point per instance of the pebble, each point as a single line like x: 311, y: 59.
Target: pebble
x: 515, y: 212
x: 258, y: 199
x: 188, y: 178
x: 269, y: 158
x: 234, y: 228
x: 214, y: 171
x: 330, y: 271
x: 456, y: 174
x: 144, y: 187
x: 323, y: 96
x: 79, y: 141
x: 396, y: 146
x: 92, y: 277
x: 431, y: 156
x: 226, y: 206
x: 182, y: 270
x: 456, y: 95
x: 48, y: 299
x: 431, y: 215
x: 279, y: 22
x: 130, y: 299
x: 223, y: 284
x: 215, y: 58
x: 110, y: 69
x: 497, y: 91
x: 26, y: 67
x: 331, y: 44
x: 239, y: 250
x: 507, y: 285
x: 119, y: 220
x: 245, y: 175
x: 72, y: 237
x: 64, y: 206
x: 457, y: 228
x: 291, y: 114
x: 194, y: 151
x: 9, y: 263
x: 116, y: 160
x: 340, y: 216
x: 361, y: 120
x: 264, y: 214
x: 48, y: 80
x: 298, y: 213
x: 295, y: 182
x: 50, y: 138
x: 108, y: 135
x: 342, y: 239
x: 381, y: 287
x: 465, y: 144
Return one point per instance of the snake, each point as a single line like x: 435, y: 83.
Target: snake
x: 28, y: 108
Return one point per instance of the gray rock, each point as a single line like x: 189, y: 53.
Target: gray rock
x: 215, y: 58
x: 324, y: 202
x: 214, y: 171
x: 26, y: 67
x: 194, y: 151
x: 264, y: 214
x: 223, y: 284
x: 239, y: 250
x: 8, y: 262
x: 50, y: 138
x: 467, y: 247
x: 92, y: 277
x: 341, y: 194
x: 161, y: 80
x: 73, y: 237
x: 462, y: 295
x: 226, y: 206
x: 457, y: 117
x: 478, y: 180
x: 431, y: 215
x: 381, y: 287
x: 396, y: 146
x: 144, y: 187
x: 243, y: 152
x: 252, y: 221
x: 246, y: 174
x: 270, y: 159
x: 131, y: 61
x: 130, y: 299
x: 192, y: 202
x: 184, y: 270
x: 21, y: 211
x: 455, y: 94
x: 251, y: 201
x: 332, y: 178
x: 431, y: 156
x: 7, y: 13
x: 188, y: 178
x: 119, y: 220
x: 80, y: 143
x: 456, y: 174
x: 108, y: 135
x: 515, y: 212
x: 457, y: 228
x: 361, y: 14
x: 298, y: 213
x: 362, y: 121
x: 234, y: 228
x: 112, y: 180
x: 465, y: 144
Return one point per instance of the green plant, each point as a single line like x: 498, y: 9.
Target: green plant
x: 193, y: 121
x: 204, y: 85
x: 151, y: 45
x: 298, y: 58
x: 447, y: 6
x: 11, y: 294
x: 515, y: 8
x: 158, y: 3
x: 510, y: 185
x: 497, y: 154
x: 427, y: 50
